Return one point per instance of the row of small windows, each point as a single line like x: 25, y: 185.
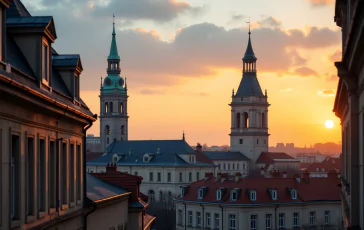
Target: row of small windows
x: 169, y: 176
x: 109, y: 107
x: 235, y: 192
x: 241, y: 141
x: 108, y: 131
x: 227, y: 166
x: 244, y: 117
x: 151, y: 196
x: 232, y: 220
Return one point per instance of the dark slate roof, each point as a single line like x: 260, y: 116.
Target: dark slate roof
x: 226, y: 156
x: 29, y: 21
x: 66, y: 60
x: 16, y: 9
x: 98, y: 189
x: 168, y: 156
x: 249, y: 53
x: 249, y: 86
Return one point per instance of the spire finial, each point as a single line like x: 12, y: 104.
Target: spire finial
x: 249, y: 26
x: 183, y: 135
x: 113, y: 24
x: 233, y: 92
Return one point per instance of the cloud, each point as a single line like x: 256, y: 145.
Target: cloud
x: 326, y: 93
x: 335, y: 57
x: 236, y: 18
x: 269, y: 22
x: 304, y: 72
x: 317, y: 3
x: 151, y: 92
x: 286, y: 90
x: 204, y: 94
x: 297, y: 59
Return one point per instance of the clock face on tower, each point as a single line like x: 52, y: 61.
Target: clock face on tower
x: 107, y: 81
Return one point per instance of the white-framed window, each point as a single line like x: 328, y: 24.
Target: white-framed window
x: 145, y: 158
x: 327, y: 217
x: 234, y: 195
x: 218, y: 194
x: 253, y: 222
x: 268, y: 221
x: 208, y: 219
x: 169, y: 177
x: 232, y: 222
x: 312, y: 218
x: 151, y: 176
x: 198, y: 219
x: 200, y: 194
x: 217, y: 221
x: 233, y: 166
x: 197, y: 176
x: 294, y: 194
x: 296, y: 220
x: 180, y: 177
x: 191, y: 159
x: 179, y: 217
x: 274, y: 194
x: 253, y: 195
x: 159, y: 178
x: 190, y: 177
x: 281, y: 221
x: 190, y: 218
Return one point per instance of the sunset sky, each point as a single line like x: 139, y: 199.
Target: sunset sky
x: 183, y: 58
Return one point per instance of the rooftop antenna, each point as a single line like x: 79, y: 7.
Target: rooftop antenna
x: 183, y: 135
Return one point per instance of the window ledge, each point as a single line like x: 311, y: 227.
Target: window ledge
x: 15, y: 223
x: 78, y: 202
x: 42, y: 214
x: 52, y: 210
x: 72, y: 204
x: 64, y: 206
x: 30, y: 218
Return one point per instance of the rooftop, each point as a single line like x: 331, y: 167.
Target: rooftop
x: 226, y: 156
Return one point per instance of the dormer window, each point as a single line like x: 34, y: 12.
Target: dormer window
x: 182, y: 192
x: 273, y: 194
x: 253, y: 195
x: 234, y: 195
x: 218, y: 195
x: 200, y: 194
x: 145, y: 159
x: 115, y: 159
x: 191, y: 159
x: 294, y: 194
x: 45, y: 62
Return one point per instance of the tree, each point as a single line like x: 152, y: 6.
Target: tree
x: 225, y: 148
x: 205, y: 147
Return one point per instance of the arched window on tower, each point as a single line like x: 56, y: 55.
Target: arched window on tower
x: 122, y: 129
x: 107, y: 130
x: 111, y: 107
x: 263, y: 120
x: 246, y: 120
x: 121, y: 107
x: 237, y: 120
x: 106, y: 107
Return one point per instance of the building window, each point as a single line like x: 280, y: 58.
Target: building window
x: 197, y: 176
x: 190, y: 177
x: 198, y: 219
x: 237, y: 166
x: 253, y: 196
x: 182, y: 192
x: 78, y: 172
x: 257, y: 141
x: 208, y: 219
x: 243, y: 166
x: 234, y: 195
x: 15, y: 177
x: 151, y: 176
x: 179, y: 217
x: 41, y: 182
x: 312, y: 219
x: 169, y: 177
x: 106, y: 107
x: 294, y: 194
x: 232, y: 222
x: 224, y: 166
x: 52, y: 174
x: 296, y: 220
x: 159, y: 176
x: 45, y: 63
x: 253, y: 222
x: 228, y: 166
x: 327, y: 217
x: 63, y: 174
x: 111, y: 107
x: 190, y: 218
x: 268, y: 221
x: 30, y: 176
x: 151, y: 196
x: 121, y: 108
x: 274, y: 194
x: 72, y: 173
x: 145, y: 158
x: 180, y: 177
x: 217, y: 221
x: 241, y: 141
x: 218, y: 195
x: 233, y: 166
x: 122, y: 130
x: 107, y: 130
x: 281, y: 221
x: 200, y: 194
x: 191, y: 159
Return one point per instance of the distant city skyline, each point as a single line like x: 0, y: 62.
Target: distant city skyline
x: 181, y: 64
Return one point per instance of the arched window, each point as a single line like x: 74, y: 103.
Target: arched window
x: 107, y: 130
x: 121, y: 107
x: 246, y: 120
x: 263, y: 120
x: 111, y: 107
x: 151, y: 196
x: 106, y: 108
x: 122, y: 129
x: 237, y: 120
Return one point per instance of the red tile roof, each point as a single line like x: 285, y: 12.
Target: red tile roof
x: 309, y: 189
x: 328, y: 164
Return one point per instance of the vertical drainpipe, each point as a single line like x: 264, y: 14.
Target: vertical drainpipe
x: 222, y: 217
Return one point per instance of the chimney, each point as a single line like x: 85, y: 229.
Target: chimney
x: 199, y: 147
x: 237, y: 176
x: 218, y: 176
x: 111, y: 168
x: 284, y: 174
x: 306, y: 176
x: 208, y: 175
x: 262, y: 171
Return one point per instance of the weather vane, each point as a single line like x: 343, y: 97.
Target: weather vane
x: 249, y: 24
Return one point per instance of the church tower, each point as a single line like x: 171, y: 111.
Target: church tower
x: 249, y: 111
x: 113, y: 100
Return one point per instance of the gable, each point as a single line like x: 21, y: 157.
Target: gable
x: 51, y: 29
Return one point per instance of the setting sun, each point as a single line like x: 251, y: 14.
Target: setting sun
x: 329, y: 124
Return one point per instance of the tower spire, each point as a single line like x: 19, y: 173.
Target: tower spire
x: 183, y: 135
x: 113, y: 48
x: 249, y: 53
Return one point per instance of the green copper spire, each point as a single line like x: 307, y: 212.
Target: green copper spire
x: 113, y: 48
